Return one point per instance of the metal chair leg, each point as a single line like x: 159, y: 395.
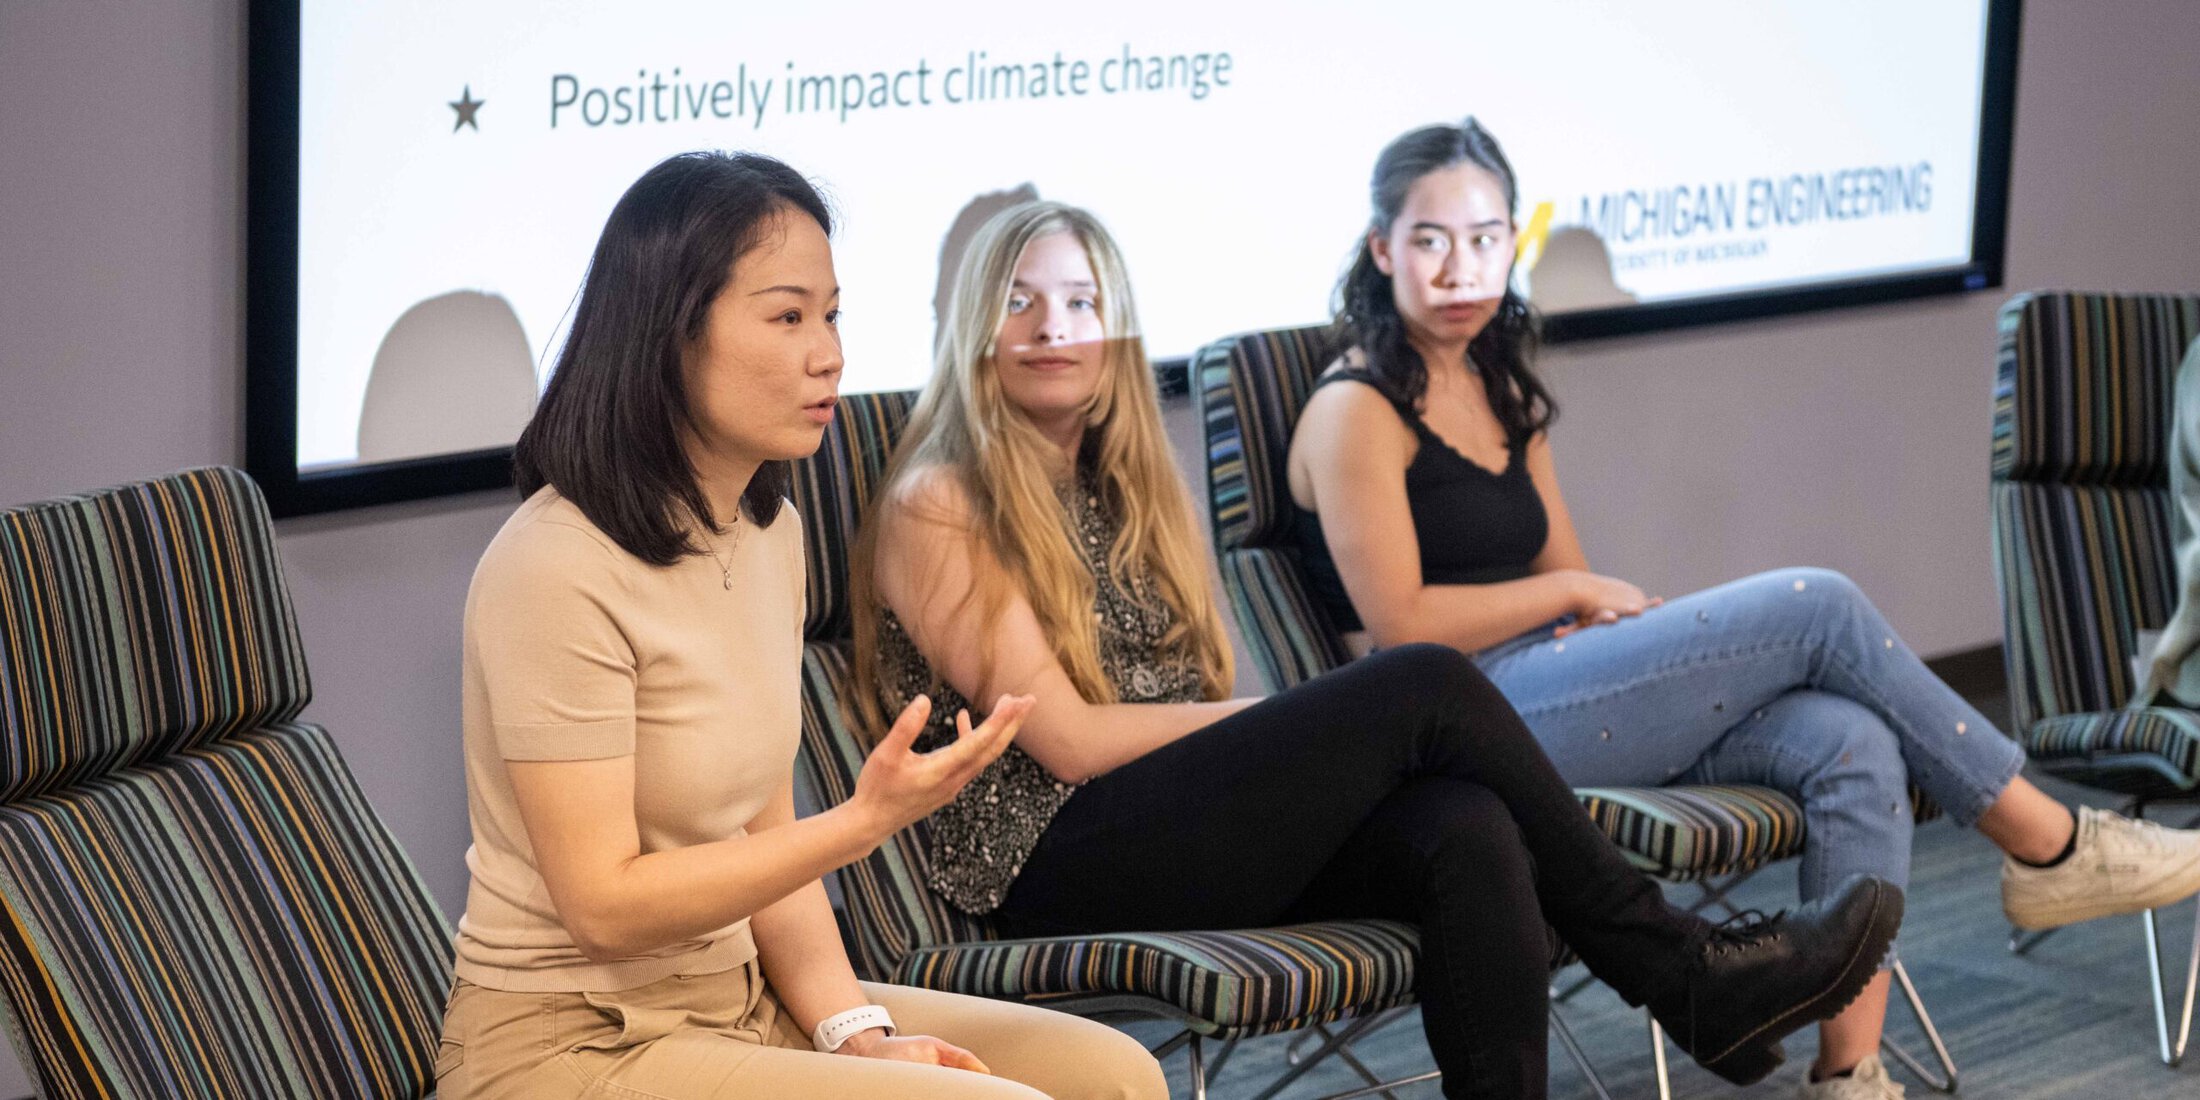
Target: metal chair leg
x: 1657, y: 1058
x: 1341, y: 1050
x: 1379, y: 1087
x: 1375, y: 1084
x: 1320, y: 1033
x: 1946, y: 1081
x: 2192, y: 985
x: 1335, y: 1043
x: 1199, y: 1071
x: 1222, y: 1057
x: 1566, y: 992
x: 1383, y: 1088
x: 1714, y: 891
x: 2170, y: 1046
x: 1168, y: 1046
x: 1331, y: 1043
x: 1573, y: 1050
x: 2172, y: 1050
x: 1712, y: 894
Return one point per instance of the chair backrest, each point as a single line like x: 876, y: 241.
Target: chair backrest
x: 140, y: 621
x: 199, y: 900
x: 2082, y: 400
x: 1251, y: 389
x: 891, y: 908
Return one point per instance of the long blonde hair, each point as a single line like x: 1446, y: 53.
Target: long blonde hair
x: 965, y: 426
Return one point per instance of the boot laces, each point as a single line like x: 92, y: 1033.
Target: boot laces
x: 1743, y: 930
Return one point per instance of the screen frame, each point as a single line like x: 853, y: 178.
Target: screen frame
x: 271, y: 281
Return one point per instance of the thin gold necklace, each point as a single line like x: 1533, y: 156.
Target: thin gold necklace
x: 725, y: 564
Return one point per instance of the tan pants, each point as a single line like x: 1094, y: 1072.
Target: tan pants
x: 721, y: 1036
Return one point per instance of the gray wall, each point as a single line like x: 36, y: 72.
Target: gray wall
x: 1854, y: 439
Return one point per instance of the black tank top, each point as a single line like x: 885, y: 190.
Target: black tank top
x: 1474, y: 527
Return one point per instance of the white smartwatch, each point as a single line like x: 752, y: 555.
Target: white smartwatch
x: 834, y: 1030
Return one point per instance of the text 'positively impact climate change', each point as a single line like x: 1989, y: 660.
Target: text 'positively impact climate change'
x: 655, y: 97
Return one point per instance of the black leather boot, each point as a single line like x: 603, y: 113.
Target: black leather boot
x: 1757, y: 978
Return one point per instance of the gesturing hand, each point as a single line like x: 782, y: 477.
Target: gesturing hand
x: 922, y: 1049
x: 900, y: 785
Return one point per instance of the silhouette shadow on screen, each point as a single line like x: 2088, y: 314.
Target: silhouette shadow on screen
x: 967, y: 220
x: 1575, y: 272
x: 454, y: 374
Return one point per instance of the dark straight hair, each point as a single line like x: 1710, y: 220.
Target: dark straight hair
x: 1367, y: 309
x: 607, y: 433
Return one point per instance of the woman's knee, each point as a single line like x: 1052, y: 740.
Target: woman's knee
x: 1101, y: 1063
x: 1133, y: 1072
x: 1422, y: 663
x: 1816, y: 586
x: 1062, y: 1056
x: 1435, y: 675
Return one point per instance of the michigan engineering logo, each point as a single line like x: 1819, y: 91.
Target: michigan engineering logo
x: 1635, y: 217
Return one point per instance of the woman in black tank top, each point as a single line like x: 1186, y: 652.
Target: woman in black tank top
x: 1428, y: 510
x: 1474, y: 525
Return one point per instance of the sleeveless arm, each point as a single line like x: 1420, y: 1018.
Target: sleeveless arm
x: 1562, y: 546
x: 927, y: 561
x: 1349, y: 456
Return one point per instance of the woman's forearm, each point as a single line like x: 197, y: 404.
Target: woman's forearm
x: 1078, y: 741
x: 799, y: 947
x: 1472, y: 617
x: 659, y: 898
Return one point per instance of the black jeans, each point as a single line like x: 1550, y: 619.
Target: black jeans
x: 1399, y: 786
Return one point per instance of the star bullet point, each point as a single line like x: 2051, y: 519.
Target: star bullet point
x: 466, y: 105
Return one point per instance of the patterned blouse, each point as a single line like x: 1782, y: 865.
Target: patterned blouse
x: 981, y: 839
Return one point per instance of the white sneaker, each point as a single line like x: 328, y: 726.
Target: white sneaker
x: 2119, y: 866
x: 1868, y: 1081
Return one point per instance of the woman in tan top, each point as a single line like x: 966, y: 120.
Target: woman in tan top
x: 645, y: 917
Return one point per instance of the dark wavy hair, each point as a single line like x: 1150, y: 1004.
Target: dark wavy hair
x: 607, y: 433
x: 1367, y: 311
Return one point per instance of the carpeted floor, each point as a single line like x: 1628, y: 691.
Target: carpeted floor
x: 2069, y: 1021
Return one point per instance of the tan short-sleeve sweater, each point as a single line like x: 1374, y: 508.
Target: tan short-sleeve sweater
x: 578, y: 650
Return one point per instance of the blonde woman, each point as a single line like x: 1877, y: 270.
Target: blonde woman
x: 645, y: 917
x: 1033, y: 537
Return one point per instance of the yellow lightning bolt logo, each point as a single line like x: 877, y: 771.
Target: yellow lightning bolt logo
x: 1529, y: 248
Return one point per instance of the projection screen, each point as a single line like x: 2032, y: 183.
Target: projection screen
x: 427, y: 179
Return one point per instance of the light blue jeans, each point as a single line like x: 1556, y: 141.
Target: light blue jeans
x: 1790, y: 680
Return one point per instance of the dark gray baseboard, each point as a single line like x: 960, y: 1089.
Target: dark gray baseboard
x: 1974, y: 673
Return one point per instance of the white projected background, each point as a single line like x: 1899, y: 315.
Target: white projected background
x: 1664, y: 152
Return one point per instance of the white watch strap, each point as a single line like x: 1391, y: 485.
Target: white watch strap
x: 835, y: 1030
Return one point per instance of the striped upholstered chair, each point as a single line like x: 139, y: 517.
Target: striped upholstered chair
x: 1251, y: 389
x: 1218, y: 986
x: 2082, y: 549
x: 199, y: 900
